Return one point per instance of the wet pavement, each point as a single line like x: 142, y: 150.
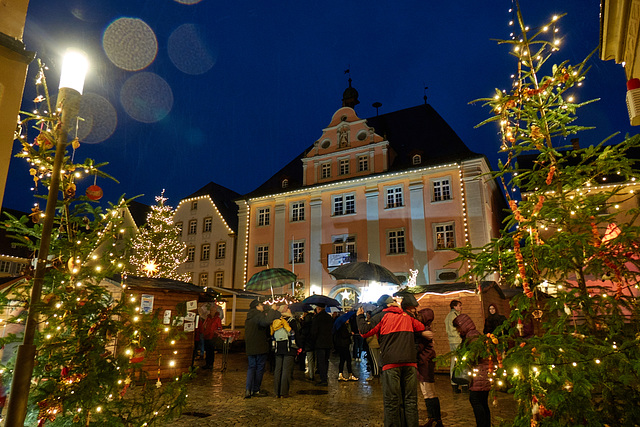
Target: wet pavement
x: 217, y: 399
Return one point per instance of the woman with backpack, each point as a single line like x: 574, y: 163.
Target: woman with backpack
x: 283, y: 333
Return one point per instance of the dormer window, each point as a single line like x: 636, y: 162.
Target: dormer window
x: 194, y: 205
x: 285, y: 183
x: 417, y: 159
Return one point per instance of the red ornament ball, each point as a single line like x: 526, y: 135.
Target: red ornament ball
x: 94, y: 192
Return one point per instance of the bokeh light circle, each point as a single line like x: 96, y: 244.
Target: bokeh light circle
x: 188, y: 1
x: 98, y: 119
x: 130, y: 44
x: 188, y: 50
x: 146, y: 97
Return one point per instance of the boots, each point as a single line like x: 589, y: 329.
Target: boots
x: 433, y: 412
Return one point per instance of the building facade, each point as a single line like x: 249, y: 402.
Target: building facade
x: 399, y: 189
x: 208, y: 220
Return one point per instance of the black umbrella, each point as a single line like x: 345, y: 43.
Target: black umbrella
x: 365, y: 271
x: 321, y: 299
x: 298, y: 307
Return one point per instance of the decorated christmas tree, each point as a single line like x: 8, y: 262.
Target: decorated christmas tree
x: 156, y: 250
x: 570, y: 350
x: 90, y: 332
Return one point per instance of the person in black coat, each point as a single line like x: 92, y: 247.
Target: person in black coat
x: 493, y: 320
x: 322, y: 341
x: 257, y: 342
x: 342, y: 342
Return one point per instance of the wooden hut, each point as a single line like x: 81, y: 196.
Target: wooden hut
x: 475, y: 304
x: 178, y: 305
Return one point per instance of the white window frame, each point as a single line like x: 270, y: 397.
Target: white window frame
x: 325, y: 170
x: 205, y: 252
x: 444, y: 235
x: 194, y: 205
x: 297, y: 211
x: 193, y: 226
x: 207, y: 224
x: 363, y: 163
x: 343, y: 204
x: 221, y: 250
x: 5, y: 266
x: 180, y: 227
x: 203, y: 280
x: 396, y: 241
x: 441, y: 189
x: 344, y: 166
x: 296, y: 253
x: 394, y: 196
x: 346, y: 244
x: 262, y: 255
x: 264, y: 216
x: 219, y: 279
x: 191, y: 253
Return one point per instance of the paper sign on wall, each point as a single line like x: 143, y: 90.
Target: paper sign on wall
x: 167, y: 317
x: 192, y: 305
x: 146, y: 303
x: 190, y: 317
x: 188, y: 327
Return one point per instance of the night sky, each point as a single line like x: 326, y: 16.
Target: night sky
x: 185, y: 92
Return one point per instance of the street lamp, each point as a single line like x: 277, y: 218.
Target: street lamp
x: 74, y: 69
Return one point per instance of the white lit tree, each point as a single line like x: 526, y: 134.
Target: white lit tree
x: 156, y: 250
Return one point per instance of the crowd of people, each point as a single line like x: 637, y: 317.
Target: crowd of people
x: 395, y: 337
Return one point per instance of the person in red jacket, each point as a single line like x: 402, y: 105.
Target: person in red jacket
x: 210, y: 329
x: 396, y: 332
x: 480, y: 385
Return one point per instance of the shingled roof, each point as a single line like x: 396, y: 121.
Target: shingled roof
x: 224, y: 201
x: 416, y: 130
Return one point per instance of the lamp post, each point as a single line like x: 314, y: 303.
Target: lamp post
x: 74, y: 69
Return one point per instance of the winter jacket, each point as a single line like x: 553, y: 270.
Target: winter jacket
x: 480, y: 379
x: 321, y: 330
x: 256, y: 332
x: 396, y: 330
x: 493, y: 321
x: 210, y: 327
x: 304, y: 337
x: 452, y: 333
x: 342, y: 337
x: 426, y: 352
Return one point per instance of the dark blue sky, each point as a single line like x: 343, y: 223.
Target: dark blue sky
x: 237, y: 89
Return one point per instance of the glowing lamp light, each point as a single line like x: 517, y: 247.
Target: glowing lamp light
x: 74, y: 69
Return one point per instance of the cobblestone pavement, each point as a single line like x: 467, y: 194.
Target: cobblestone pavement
x: 217, y: 399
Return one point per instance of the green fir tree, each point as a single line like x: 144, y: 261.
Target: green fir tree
x: 89, y: 331
x: 571, y: 241
x: 156, y: 250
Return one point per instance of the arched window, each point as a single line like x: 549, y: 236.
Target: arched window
x: 285, y: 183
x: 417, y: 159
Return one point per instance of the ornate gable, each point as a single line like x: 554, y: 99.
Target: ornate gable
x: 347, y: 148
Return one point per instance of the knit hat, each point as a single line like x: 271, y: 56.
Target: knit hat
x: 385, y: 300
x: 254, y: 303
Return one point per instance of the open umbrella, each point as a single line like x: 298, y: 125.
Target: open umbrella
x: 299, y: 307
x: 365, y: 271
x: 366, y: 306
x: 321, y: 299
x: 341, y: 320
x: 269, y: 279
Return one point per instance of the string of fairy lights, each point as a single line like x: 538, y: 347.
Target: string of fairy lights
x: 95, y: 254
x: 594, y: 352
